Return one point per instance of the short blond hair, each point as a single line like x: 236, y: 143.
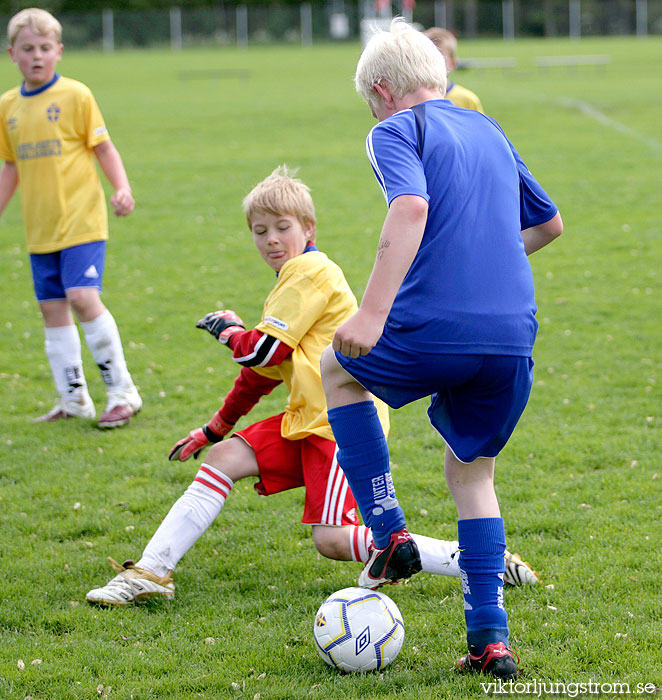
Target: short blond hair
x: 443, y: 39
x: 281, y: 193
x: 38, y: 20
x: 402, y: 59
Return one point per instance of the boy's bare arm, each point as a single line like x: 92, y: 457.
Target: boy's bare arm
x: 401, y: 237
x: 538, y: 237
x: 8, y: 183
x: 111, y: 163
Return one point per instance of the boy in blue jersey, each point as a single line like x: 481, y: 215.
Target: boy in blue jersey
x: 293, y: 449
x: 448, y: 312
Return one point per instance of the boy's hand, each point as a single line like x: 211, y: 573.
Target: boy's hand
x: 191, y: 445
x: 358, y: 335
x: 122, y: 202
x: 221, y: 324
x: 197, y: 440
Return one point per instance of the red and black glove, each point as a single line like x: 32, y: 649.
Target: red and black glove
x: 221, y: 324
x: 198, y: 439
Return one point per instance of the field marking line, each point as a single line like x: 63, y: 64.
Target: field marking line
x: 590, y: 111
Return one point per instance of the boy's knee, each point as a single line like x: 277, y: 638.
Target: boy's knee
x: 216, y: 450
x: 86, y: 303
x: 331, y: 542
x: 327, y: 361
x: 220, y: 453
x: 234, y: 457
x: 334, y: 376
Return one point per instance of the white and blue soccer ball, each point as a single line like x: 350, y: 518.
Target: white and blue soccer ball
x: 357, y: 629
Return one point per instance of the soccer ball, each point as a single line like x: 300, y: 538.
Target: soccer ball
x: 357, y: 629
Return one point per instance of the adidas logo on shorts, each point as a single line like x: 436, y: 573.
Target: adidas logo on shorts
x: 91, y: 272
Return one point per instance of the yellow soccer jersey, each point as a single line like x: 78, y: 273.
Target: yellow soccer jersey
x: 462, y: 97
x: 310, y: 300
x: 50, y: 134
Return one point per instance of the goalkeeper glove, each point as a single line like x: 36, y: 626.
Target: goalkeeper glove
x: 221, y: 324
x: 198, y: 439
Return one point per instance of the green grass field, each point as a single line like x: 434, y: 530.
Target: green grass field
x: 579, y: 483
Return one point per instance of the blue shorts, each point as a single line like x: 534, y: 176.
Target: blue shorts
x: 79, y: 266
x: 476, y: 400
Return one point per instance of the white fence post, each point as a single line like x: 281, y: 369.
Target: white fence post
x: 575, y: 16
x: 108, y: 41
x: 241, y: 15
x: 306, y: 13
x: 338, y: 20
x: 175, y: 28
x: 440, y: 15
x: 642, y: 17
x: 508, y: 19
x: 471, y: 18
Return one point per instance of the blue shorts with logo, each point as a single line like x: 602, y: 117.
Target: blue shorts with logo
x: 79, y: 266
x: 476, y: 400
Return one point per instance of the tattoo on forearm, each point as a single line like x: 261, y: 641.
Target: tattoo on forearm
x: 383, y: 245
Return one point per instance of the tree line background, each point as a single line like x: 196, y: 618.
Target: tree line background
x: 109, y: 24
x: 60, y: 6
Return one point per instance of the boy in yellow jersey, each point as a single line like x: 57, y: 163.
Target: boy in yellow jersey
x: 446, y: 42
x: 294, y: 448
x: 50, y: 131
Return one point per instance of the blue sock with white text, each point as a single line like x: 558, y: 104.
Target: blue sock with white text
x: 364, y: 457
x: 482, y: 544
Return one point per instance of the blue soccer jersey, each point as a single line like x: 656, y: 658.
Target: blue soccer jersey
x: 470, y: 288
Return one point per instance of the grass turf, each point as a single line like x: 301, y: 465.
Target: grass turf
x: 579, y: 483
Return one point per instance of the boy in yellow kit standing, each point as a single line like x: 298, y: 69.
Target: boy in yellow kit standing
x: 446, y: 42
x: 50, y: 127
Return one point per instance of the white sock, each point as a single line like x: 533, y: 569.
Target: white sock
x: 360, y: 539
x: 63, y: 351
x: 103, y: 339
x: 437, y: 556
x: 187, y: 520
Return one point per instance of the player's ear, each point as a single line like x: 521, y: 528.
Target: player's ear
x: 385, y: 93
x: 309, y: 231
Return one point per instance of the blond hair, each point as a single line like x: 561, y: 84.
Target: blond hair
x: 39, y: 21
x: 402, y: 59
x: 281, y: 193
x: 443, y: 39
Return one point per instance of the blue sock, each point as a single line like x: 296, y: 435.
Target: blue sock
x: 363, y: 456
x: 482, y: 544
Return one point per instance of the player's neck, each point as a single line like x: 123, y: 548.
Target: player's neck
x: 30, y: 88
x: 422, y: 94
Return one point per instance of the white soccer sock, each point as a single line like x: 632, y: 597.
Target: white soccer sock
x: 103, y: 339
x: 360, y: 539
x: 437, y: 556
x: 63, y: 351
x: 188, y: 518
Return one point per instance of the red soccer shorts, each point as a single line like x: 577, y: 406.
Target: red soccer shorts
x: 310, y: 462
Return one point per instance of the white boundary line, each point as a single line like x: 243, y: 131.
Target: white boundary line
x: 590, y: 111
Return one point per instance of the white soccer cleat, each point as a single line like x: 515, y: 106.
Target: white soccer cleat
x: 69, y: 409
x: 121, y: 406
x: 132, y: 585
x: 518, y: 572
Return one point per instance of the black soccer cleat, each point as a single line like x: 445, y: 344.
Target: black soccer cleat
x: 399, y: 560
x: 497, y: 660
